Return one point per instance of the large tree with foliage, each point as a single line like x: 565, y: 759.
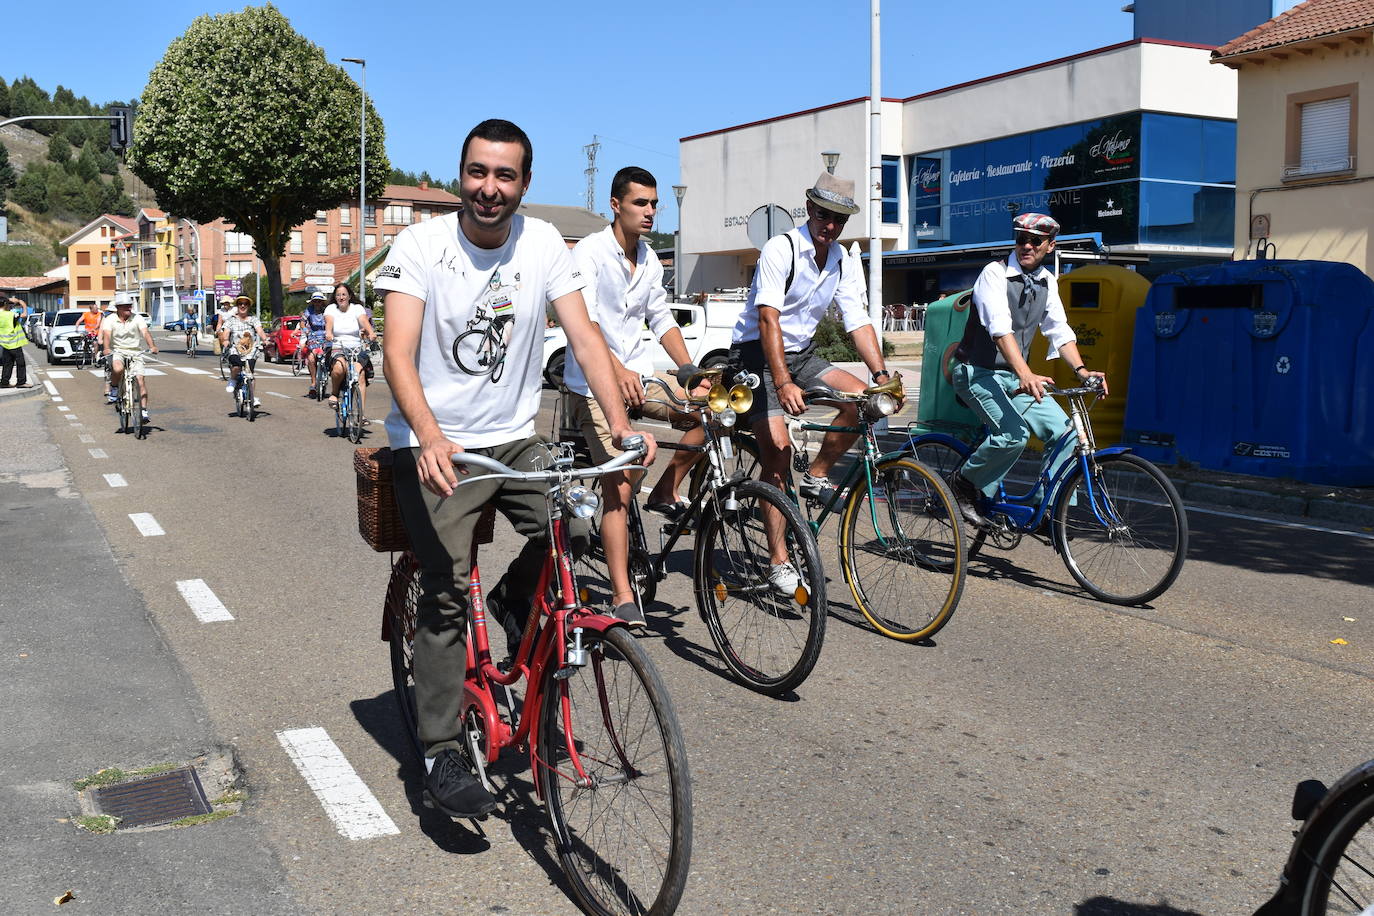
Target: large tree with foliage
x: 245, y: 119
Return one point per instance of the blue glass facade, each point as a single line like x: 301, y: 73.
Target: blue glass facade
x: 1135, y: 178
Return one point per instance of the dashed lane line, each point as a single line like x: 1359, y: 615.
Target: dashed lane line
x: 64, y: 408
x: 98, y: 453
x: 116, y: 480
x: 204, y: 603
x: 52, y: 389
x: 87, y: 438
x: 192, y: 371
x: 146, y: 524
x: 347, y: 800
x: 59, y: 373
x: 278, y: 394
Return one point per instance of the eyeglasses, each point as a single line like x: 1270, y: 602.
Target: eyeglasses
x: 1035, y: 241
x: 829, y: 216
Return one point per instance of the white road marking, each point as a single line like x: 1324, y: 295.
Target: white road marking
x: 146, y: 524
x: 97, y: 453
x: 147, y: 371
x: 59, y: 373
x: 98, y: 373
x: 263, y: 370
x: 203, y: 602
x: 116, y: 480
x: 190, y: 371
x: 87, y: 438
x: 349, y: 803
x: 52, y: 389
x: 1362, y: 535
x: 278, y: 394
x: 64, y: 409
x: 56, y: 400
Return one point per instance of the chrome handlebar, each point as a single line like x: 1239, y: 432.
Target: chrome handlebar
x: 634, y: 450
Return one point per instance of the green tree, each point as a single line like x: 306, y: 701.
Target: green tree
x: 27, y: 98
x: 269, y: 154
x: 87, y: 164
x: 7, y: 176
x: 21, y: 262
x: 4, y: 98
x: 31, y: 191
x: 59, y: 150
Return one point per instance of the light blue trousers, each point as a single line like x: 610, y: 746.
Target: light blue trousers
x: 1011, y: 420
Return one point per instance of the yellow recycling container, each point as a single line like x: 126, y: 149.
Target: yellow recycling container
x: 1100, y: 301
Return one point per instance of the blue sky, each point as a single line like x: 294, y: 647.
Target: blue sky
x: 640, y: 76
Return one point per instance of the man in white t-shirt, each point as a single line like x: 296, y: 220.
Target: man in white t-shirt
x: 122, y: 336
x: 466, y: 295
x: 625, y: 293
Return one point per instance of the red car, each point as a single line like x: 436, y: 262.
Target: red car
x: 282, y: 338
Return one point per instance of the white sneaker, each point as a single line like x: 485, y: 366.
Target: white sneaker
x: 229, y: 388
x: 783, y: 579
x: 257, y: 402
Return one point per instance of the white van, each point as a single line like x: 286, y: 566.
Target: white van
x: 706, y: 330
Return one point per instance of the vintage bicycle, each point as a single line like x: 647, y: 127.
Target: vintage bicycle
x: 605, y: 748
x: 348, y: 413
x: 1114, y: 518
x: 245, y: 404
x: 901, y: 547
x: 127, y: 404
x: 768, y: 638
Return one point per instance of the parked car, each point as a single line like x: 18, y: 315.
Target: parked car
x: 31, y: 324
x: 65, y: 335
x: 44, y: 326
x: 706, y: 330
x: 282, y: 338
x: 178, y: 324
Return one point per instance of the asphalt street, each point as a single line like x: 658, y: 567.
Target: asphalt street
x: 1045, y: 753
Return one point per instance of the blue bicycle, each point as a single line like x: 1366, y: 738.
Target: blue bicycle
x: 1114, y: 518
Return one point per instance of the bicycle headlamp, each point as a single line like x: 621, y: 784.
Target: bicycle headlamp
x: 741, y: 398
x: 718, y: 399
x: 881, y: 405
x: 727, y: 418
x: 581, y: 501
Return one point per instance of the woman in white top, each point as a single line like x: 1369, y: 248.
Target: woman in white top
x: 347, y: 323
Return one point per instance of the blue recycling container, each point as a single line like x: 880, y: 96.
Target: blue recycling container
x: 1258, y: 367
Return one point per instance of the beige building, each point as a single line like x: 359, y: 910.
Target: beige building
x: 1305, y: 150
x: 91, y: 260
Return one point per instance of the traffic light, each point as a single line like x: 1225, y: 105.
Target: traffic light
x: 121, y: 127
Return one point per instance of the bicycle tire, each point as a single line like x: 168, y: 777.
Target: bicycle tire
x: 480, y: 370
x: 297, y: 363
x: 355, y: 414
x: 903, y: 559
x: 402, y: 599
x: 746, y: 461
x: 944, y: 459
x: 248, y: 399
x: 223, y: 369
x: 339, y: 414
x: 1342, y: 859
x: 626, y: 734
x: 1152, y: 529
x: 767, y: 641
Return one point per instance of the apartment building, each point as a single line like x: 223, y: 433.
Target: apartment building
x: 91, y: 259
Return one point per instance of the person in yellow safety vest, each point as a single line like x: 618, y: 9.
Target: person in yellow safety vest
x: 12, y: 342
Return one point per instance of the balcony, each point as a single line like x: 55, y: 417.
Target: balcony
x: 1319, y: 168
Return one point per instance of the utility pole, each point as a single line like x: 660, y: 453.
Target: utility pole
x: 591, y: 150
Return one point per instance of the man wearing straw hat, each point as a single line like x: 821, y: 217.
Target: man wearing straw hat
x: 800, y: 274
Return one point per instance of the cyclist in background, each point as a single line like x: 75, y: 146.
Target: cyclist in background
x: 313, y: 329
x: 226, y: 308
x: 122, y: 336
x: 190, y: 323
x: 236, y: 336
x: 1011, y: 299
x: 90, y: 322
x: 346, y: 324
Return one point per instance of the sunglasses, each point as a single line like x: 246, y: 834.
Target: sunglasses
x: 1025, y: 238
x: 829, y: 216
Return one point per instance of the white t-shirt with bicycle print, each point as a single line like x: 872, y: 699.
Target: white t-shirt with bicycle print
x: 480, y: 357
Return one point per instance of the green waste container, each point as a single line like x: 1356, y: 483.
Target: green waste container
x: 938, y: 410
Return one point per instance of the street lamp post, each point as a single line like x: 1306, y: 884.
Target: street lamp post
x: 195, y: 251
x: 679, y: 191
x: 362, y: 180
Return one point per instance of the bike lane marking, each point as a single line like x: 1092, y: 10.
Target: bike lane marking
x: 59, y: 373
x: 146, y: 524
x: 87, y: 438
x: 52, y: 389
x: 204, y: 603
x: 98, y: 453
x: 278, y: 394
x: 189, y: 370
x: 116, y: 480
x: 347, y: 800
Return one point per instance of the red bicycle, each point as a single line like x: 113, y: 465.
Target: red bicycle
x: 604, y: 744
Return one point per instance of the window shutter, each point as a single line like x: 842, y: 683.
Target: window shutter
x: 1325, y: 136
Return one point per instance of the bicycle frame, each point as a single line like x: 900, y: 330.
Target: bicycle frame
x: 544, y: 642
x: 871, y: 457
x: 1026, y: 510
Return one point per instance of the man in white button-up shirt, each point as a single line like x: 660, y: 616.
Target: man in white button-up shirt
x: 624, y: 293
x: 800, y: 273
x: 1011, y: 299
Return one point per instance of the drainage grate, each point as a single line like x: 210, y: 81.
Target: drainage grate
x: 159, y: 799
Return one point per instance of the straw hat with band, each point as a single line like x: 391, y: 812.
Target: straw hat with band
x: 834, y: 194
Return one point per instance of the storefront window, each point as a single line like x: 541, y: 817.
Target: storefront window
x: 892, y: 184
x: 1184, y: 214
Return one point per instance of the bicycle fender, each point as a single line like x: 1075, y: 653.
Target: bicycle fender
x: 491, y: 718
x: 597, y: 623
x: 1113, y: 450
x: 1314, y: 830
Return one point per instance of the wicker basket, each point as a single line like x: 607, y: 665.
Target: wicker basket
x: 379, y: 520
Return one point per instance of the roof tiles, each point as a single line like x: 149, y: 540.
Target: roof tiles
x: 1309, y: 20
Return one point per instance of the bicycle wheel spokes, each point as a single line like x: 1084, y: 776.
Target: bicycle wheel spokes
x: 621, y: 811
x: 902, y: 550
x: 1122, y: 531
x: 768, y: 634
x: 1341, y: 879
x: 402, y: 598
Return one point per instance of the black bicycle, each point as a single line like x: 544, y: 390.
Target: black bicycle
x: 487, y: 343
x: 765, y: 615
x: 1331, y: 866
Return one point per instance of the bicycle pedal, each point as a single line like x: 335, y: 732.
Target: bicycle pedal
x: 567, y: 671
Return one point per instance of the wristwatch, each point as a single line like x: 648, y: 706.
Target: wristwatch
x: 878, y: 373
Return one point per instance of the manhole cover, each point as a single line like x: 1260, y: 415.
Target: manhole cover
x: 158, y: 799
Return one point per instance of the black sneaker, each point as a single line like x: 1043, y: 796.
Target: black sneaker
x: 630, y: 613
x: 819, y: 489
x: 452, y: 789
x: 966, y: 494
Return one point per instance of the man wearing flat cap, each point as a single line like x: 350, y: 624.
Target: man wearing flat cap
x: 1011, y: 299
x: 800, y: 274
